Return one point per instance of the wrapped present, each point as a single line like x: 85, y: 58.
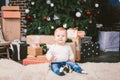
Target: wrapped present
x: 81, y: 34
x: 72, y: 32
x: 33, y: 39
x: 35, y: 51
x: 11, y: 14
x: 18, y: 51
x: 35, y: 60
x: 90, y: 49
x: 86, y: 39
x: 11, y: 22
x: 42, y: 57
x: 10, y: 8
x: 109, y: 40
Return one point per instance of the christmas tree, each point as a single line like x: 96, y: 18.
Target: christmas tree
x: 44, y: 16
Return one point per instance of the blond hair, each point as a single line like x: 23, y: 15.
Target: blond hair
x: 60, y: 29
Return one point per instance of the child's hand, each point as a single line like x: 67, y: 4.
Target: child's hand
x: 72, y: 60
x: 52, y: 57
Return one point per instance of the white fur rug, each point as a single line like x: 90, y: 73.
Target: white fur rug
x: 11, y: 70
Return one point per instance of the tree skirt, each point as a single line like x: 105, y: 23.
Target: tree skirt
x: 11, y: 70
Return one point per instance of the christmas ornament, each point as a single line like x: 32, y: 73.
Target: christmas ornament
x: 86, y: 27
x: 34, y: 15
x: 55, y: 17
x: 96, y: 5
x: 48, y: 18
x: 27, y: 11
x: 65, y: 25
x: 52, y: 4
x: 28, y: 17
x: 44, y: 17
x: 78, y: 14
x: 90, y: 21
x: 32, y: 3
x: 48, y: 1
x: 39, y: 28
x: 52, y: 27
x: 88, y: 12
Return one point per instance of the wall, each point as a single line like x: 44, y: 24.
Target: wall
x: 110, y: 15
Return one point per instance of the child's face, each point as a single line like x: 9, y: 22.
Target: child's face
x: 60, y: 37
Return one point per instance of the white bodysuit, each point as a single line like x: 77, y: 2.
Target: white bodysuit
x: 61, y: 53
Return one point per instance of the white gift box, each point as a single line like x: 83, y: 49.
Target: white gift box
x: 109, y: 40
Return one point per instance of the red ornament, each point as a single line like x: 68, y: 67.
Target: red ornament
x: 88, y: 12
x: 28, y: 17
x: 45, y: 18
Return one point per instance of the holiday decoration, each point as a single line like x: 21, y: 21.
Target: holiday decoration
x: 27, y: 11
x: 51, y: 14
x: 34, y: 51
x: 44, y: 48
x: 96, y: 5
x: 78, y: 14
x: 28, y: 17
x: 35, y: 60
x: 88, y: 12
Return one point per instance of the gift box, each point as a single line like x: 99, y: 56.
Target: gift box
x: 109, y: 40
x: 11, y: 27
x: 10, y: 8
x: 35, y: 51
x: 35, y: 60
x: 20, y: 54
x: 11, y: 14
x: 33, y: 39
x: 90, y: 49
